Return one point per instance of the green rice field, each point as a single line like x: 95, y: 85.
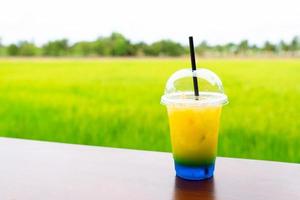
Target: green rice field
x: 116, y: 102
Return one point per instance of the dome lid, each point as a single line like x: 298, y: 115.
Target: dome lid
x: 180, y: 89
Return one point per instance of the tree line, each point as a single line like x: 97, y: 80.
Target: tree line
x: 118, y: 45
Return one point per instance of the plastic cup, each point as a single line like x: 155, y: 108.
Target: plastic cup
x: 194, y: 122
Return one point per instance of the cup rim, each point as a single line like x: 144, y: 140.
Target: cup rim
x: 187, y: 98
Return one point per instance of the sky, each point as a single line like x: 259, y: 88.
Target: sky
x: 216, y: 21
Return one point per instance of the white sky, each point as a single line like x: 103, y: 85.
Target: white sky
x: 217, y: 21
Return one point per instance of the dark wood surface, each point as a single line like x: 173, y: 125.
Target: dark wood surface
x: 32, y: 170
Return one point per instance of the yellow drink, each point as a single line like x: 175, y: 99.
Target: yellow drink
x: 194, y: 118
x: 194, y: 133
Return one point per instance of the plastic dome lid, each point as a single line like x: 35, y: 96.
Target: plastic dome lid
x: 180, y: 89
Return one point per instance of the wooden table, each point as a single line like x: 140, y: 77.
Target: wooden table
x: 32, y: 170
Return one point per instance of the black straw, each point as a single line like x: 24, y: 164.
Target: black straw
x: 194, y: 68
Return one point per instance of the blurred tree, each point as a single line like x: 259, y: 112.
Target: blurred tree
x: 269, y: 47
x: 83, y: 49
x: 152, y: 50
x: 165, y: 48
x: 2, y: 48
x: 254, y: 49
x: 243, y: 47
x: 220, y: 49
x: 27, y: 49
x: 114, y: 45
x: 12, y: 50
x: 231, y: 48
x: 201, y: 48
x: 120, y: 46
x: 117, y: 45
x: 102, y: 46
x: 139, y: 48
x: 283, y: 46
x: 295, y: 44
x: 56, y: 48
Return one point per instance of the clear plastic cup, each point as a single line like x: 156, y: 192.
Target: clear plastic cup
x: 194, y: 121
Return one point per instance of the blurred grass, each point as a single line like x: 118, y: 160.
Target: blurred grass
x: 116, y: 102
